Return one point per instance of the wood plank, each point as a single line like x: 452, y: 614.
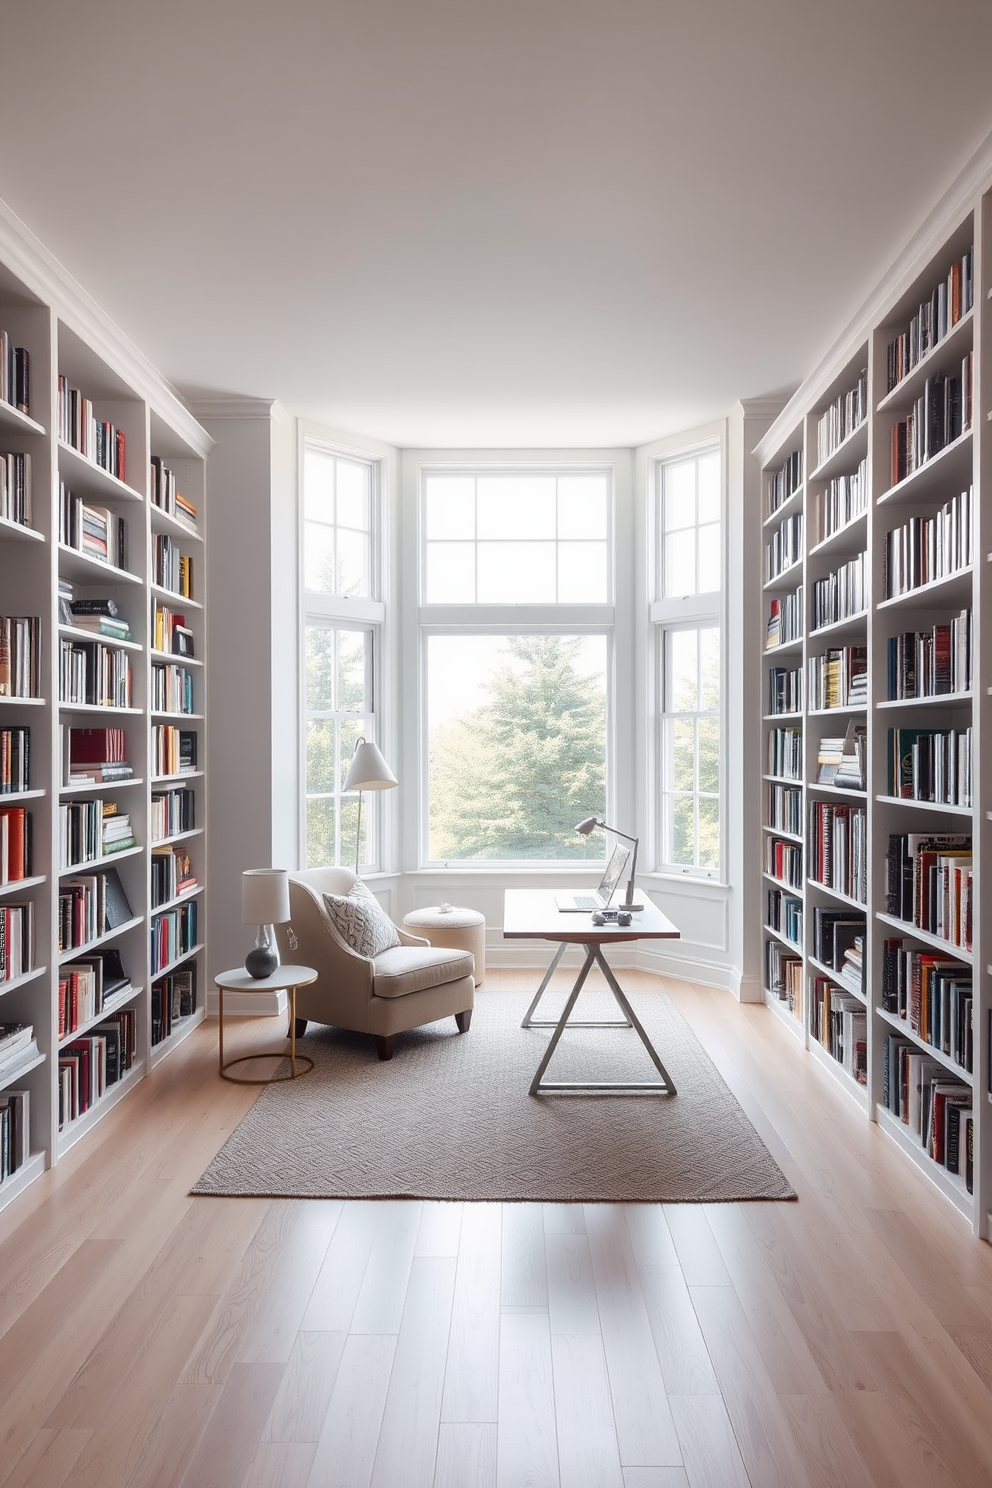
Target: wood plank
x: 348, y: 1439
x: 48, y: 1459
x: 466, y: 1455
x: 407, y: 1450
x: 708, y: 1443
x: 829, y: 1455
x: 281, y: 1465
x: 440, y: 1228
x: 304, y: 1393
x: 526, y: 1440
x: 162, y: 1458
x: 656, y: 1477
x: 525, y: 1276
x: 685, y: 1362
x: 588, y: 1453
x: 291, y: 1281
x: 382, y: 1295
x: 226, y: 1450
x: 650, y: 1236
x: 564, y: 1219
x: 572, y: 1304
x: 471, y: 1381
x: 699, y: 1255
x: 335, y: 1293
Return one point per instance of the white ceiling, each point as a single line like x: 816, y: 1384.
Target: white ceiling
x: 486, y: 222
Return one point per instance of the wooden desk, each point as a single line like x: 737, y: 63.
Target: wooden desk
x: 532, y: 914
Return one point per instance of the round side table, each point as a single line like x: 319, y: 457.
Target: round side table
x: 454, y: 929
x: 283, y: 979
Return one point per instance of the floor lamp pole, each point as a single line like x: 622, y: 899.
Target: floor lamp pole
x: 358, y: 838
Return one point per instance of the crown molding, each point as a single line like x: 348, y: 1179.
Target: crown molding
x: 45, y: 277
x: 211, y: 407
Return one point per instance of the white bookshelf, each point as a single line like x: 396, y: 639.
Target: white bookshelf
x: 45, y: 312
x: 894, y: 498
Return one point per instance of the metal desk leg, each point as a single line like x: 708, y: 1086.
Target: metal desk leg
x: 535, y: 1084
x: 531, y: 1022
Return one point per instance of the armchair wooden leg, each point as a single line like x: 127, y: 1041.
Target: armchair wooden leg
x: 464, y: 1021
x: 385, y: 1043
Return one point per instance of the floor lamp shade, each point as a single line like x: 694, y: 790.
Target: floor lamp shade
x: 368, y: 771
x: 264, y: 902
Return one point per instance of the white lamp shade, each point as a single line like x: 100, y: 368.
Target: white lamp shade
x: 368, y: 770
x: 265, y: 896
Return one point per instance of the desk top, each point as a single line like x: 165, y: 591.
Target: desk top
x: 531, y: 914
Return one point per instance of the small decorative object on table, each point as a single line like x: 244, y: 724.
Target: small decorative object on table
x: 265, y: 903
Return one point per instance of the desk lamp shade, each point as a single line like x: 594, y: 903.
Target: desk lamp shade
x: 367, y: 771
x: 265, y: 903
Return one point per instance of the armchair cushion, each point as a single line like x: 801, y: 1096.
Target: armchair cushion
x: 404, y: 969
x: 360, y: 921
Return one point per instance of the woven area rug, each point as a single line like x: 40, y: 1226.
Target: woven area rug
x: 449, y: 1117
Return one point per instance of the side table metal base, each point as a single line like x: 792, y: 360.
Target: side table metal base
x: 299, y: 1064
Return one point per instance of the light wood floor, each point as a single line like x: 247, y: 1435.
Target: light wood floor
x: 151, y: 1339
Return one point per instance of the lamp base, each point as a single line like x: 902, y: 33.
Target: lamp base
x: 261, y: 962
x: 633, y: 908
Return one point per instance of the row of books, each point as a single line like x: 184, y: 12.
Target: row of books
x: 784, y: 976
x: 785, y: 914
x: 93, y: 755
x: 842, y: 760
x: 785, y: 809
x: 172, y: 874
x: 173, y: 935
x: 785, y: 752
x: 838, y: 678
x: 172, y: 812
x: 92, y: 829
x: 95, y: 673
x: 785, y: 690
x: 166, y: 495
x: 173, y: 569
x: 785, y: 482
x: 930, y: 765
x: 838, y: 848
x: 933, y: 994
x: 15, y: 844
x: 171, y: 632
x: 785, y: 546
x: 840, y: 503
x: 87, y: 987
x: 841, y: 418
x: 95, y: 531
x: 173, y: 998
x: 929, y: 548
x: 20, y: 656
x: 99, y: 616
x: 15, y: 760
x: 15, y: 488
x: 929, y: 883
x: 930, y: 663
x: 951, y: 298
x: 91, y: 905
x: 941, y: 414
x: 173, y: 749
x: 15, y: 1131
x: 838, y: 942
x: 841, y: 594
x: 97, y: 439
x: 839, y: 1022
x: 89, y: 1066
x: 15, y: 375
x: 784, y: 861
x: 16, y: 939
x: 936, y: 1108
x: 172, y: 689
x: 785, y: 619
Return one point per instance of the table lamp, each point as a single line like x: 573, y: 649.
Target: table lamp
x: 265, y: 903
x: 368, y: 771
x: 588, y: 826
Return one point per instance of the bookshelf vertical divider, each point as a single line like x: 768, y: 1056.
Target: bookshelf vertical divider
x: 94, y: 1020
x: 887, y: 977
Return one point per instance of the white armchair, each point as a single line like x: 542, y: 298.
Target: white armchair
x: 403, y: 987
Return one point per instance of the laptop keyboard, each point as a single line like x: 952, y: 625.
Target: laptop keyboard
x: 587, y: 901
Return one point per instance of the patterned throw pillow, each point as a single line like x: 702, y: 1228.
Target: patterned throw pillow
x: 361, y: 921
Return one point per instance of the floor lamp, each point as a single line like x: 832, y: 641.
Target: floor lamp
x: 588, y: 826
x: 368, y: 771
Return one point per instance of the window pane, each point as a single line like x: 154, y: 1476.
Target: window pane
x: 352, y: 671
x: 450, y: 577
x: 351, y: 730
x: 709, y: 754
x: 517, y: 745
x: 318, y: 485
x: 683, y: 755
x: 582, y: 506
x: 449, y: 506
x: 354, y: 495
x: 709, y: 559
x: 349, y: 829
x: 709, y: 833
x: 321, y: 843
x: 680, y: 563
x: 516, y: 572
x: 516, y: 506
x: 709, y: 668
x: 353, y: 563
x: 680, y: 495
x: 683, y: 831
x: 683, y: 686
x: 582, y: 573
x: 320, y: 755
x: 709, y: 486
x: 320, y: 668
x: 318, y: 557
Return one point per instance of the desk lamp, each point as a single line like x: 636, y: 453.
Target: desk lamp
x: 588, y: 826
x: 265, y: 903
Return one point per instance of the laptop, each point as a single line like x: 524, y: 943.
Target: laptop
x: 584, y: 903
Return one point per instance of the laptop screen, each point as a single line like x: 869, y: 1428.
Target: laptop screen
x: 614, y: 870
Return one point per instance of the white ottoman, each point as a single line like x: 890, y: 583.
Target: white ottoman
x: 454, y: 929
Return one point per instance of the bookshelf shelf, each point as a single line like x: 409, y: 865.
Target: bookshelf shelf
x: 179, y: 961
x: 21, y: 981
x: 74, y: 952
x: 78, y: 634
x: 183, y: 898
x: 181, y: 1029
x: 14, y: 421
x: 914, y: 932
x: 91, y: 865
x: 839, y: 627
x: 13, y: 1074
x: 834, y: 1068
x: 937, y: 700
x: 172, y: 597
x: 78, y: 1128
x: 940, y: 357
x: 944, y: 591
x: 21, y: 885
x: 941, y: 806
x: 19, y: 531
x: 938, y: 474
x: 792, y: 503
x: 846, y: 455
x: 170, y: 656
x: 842, y: 898
x: 901, y: 1025
x: 823, y: 969
x: 85, y: 476
x: 949, y: 1184
x: 112, y: 1005
x: 88, y: 787
x: 86, y: 570
x: 847, y: 539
